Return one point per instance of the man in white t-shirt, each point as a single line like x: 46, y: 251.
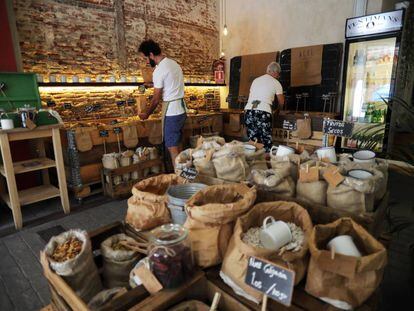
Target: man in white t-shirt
x: 169, y: 88
x: 258, y: 111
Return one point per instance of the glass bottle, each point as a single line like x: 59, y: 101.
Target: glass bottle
x: 170, y: 255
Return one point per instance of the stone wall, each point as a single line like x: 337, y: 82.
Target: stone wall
x: 100, y: 37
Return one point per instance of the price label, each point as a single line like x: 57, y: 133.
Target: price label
x: 67, y: 106
x: 117, y: 130
x: 89, y: 108
x: 273, y: 280
x: 51, y: 103
x: 97, y: 107
x: 189, y: 173
x: 289, y: 125
x: 103, y: 133
x: 114, y: 122
x: 120, y: 103
x: 131, y: 102
x: 338, y: 128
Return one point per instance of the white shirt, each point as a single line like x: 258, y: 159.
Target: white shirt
x: 264, y: 88
x: 169, y: 76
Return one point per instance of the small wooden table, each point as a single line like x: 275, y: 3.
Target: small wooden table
x: 14, y: 198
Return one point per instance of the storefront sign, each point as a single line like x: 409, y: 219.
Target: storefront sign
x: 189, y: 173
x: 272, y: 280
x: 338, y: 128
x: 374, y: 24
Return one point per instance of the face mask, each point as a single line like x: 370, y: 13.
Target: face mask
x: 152, y: 62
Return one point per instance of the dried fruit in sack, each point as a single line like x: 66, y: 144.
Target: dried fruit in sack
x: 68, y: 250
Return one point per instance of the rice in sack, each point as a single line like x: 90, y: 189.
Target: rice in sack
x: 184, y: 160
x: 211, y: 213
x: 230, y: 163
x: 276, y: 181
x: 70, y: 256
x: 203, y: 163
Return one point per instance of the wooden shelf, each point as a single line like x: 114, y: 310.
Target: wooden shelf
x: 35, y: 194
x: 68, y: 84
x: 25, y: 166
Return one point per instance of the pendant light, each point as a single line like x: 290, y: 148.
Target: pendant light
x: 225, y: 30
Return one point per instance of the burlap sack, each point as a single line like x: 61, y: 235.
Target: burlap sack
x: 103, y: 297
x: 277, y: 181
x: 205, y: 166
x: 111, y: 161
x: 352, y: 195
x: 83, y: 139
x: 238, y: 252
x: 147, y: 208
x: 126, y: 160
x: 289, y: 163
x: 135, y: 160
x: 154, y: 130
x: 183, y: 160
x: 211, y: 213
x: 257, y: 160
x: 380, y: 171
x: 130, y: 136
x: 80, y: 272
x: 117, y: 264
x: 230, y: 163
x: 344, y: 278
x: 191, y: 305
x: 304, y: 128
x: 315, y: 191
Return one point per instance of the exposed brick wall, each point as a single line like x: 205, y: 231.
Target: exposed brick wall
x: 84, y: 37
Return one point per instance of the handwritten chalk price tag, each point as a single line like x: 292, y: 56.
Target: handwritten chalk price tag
x: 189, y: 173
x: 51, y: 103
x: 117, y: 130
x: 113, y: 122
x: 89, y: 108
x: 67, y: 106
x: 332, y: 176
x: 338, y: 128
x: 273, y: 280
x: 103, y: 133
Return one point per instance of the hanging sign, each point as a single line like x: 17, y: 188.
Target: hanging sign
x: 338, y: 128
x: 374, y: 24
x: 117, y: 130
x: 272, y: 280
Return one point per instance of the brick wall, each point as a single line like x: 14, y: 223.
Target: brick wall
x: 100, y: 37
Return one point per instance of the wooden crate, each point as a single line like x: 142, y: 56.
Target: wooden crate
x: 124, y: 188
x: 64, y: 297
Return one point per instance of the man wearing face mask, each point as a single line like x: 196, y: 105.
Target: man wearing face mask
x: 169, y: 89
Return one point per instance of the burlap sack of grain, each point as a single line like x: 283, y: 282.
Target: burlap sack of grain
x: 154, y: 130
x: 117, y: 263
x: 203, y: 163
x: 276, y: 181
x: 111, y: 161
x: 257, y: 160
x: 290, y: 162
x: 83, y: 139
x: 352, y: 195
x: 80, y: 272
x: 238, y: 252
x: 314, y: 191
x: 135, y: 160
x: 130, y: 136
x: 147, y: 208
x: 380, y: 171
x: 105, y: 296
x: 345, y: 280
x: 211, y: 213
x: 126, y: 160
x: 153, y: 155
x: 230, y: 163
x: 183, y: 160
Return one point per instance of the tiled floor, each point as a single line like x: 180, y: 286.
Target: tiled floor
x: 22, y: 285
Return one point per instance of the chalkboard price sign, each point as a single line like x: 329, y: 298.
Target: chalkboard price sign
x: 51, y: 103
x: 117, y: 130
x: 189, y: 173
x: 114, y: 122
x: 67, y: 106
x: 272, y: 280
x: 289, y: 125
x: 89, y: 108
x: 338, y: 128
x: 120, y: 103
x: 103, y: 133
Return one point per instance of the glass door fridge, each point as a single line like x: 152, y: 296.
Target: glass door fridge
x: 369, y: 78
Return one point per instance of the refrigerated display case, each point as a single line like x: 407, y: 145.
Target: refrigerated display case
x: 371, y: 58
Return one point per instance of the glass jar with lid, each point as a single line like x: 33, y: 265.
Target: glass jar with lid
x: 170, y: 255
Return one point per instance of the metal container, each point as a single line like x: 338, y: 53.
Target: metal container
x: 178, y: 196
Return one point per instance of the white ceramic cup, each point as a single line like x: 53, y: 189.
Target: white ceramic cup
x: 364, y: 156
x: 344, y: 245
x: 249, y: 149
x: 134, y: 79
x: 88, y: 79
x: 112, y: 79
x: 360, y: 174
x: 52, y: 78
x: 276, y: 234
x: 6, y: 124
x: 63, y: 78
x: 327, y: 152
x: 282, y: 150
x: 75, y: 79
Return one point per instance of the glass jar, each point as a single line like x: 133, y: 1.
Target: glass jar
x: 170, y: 255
